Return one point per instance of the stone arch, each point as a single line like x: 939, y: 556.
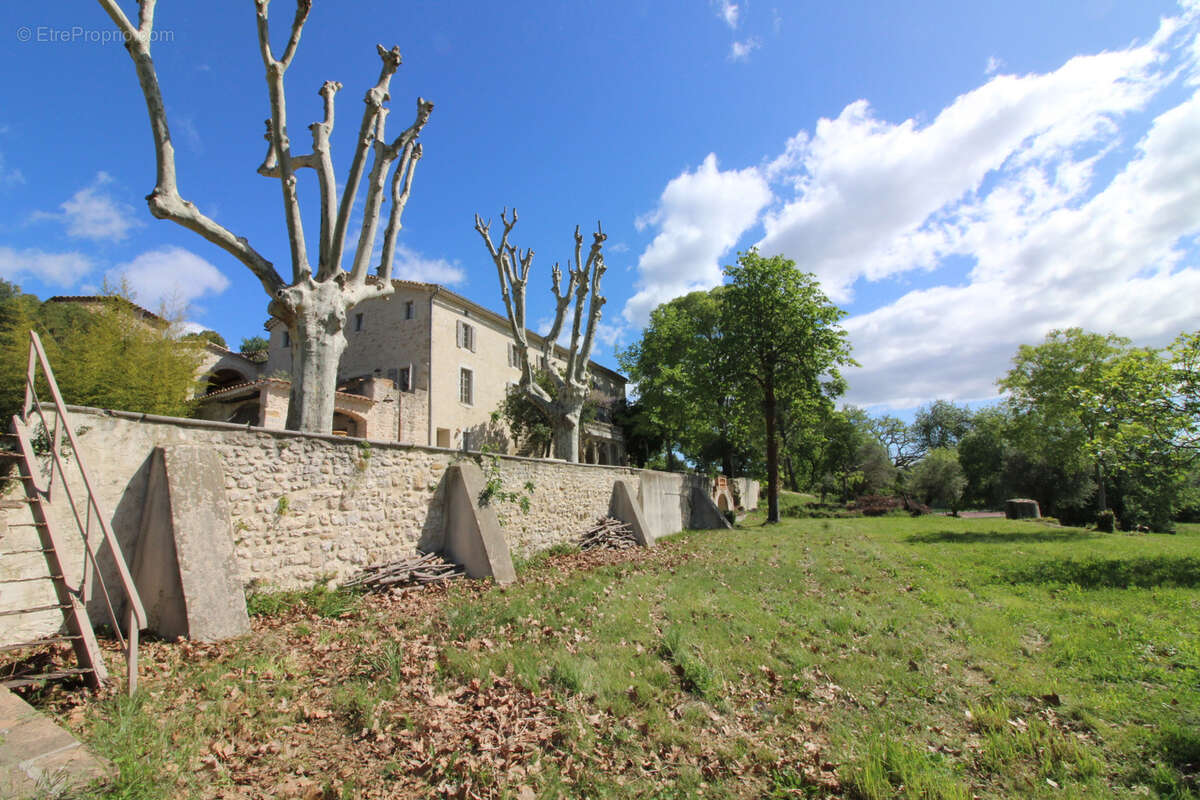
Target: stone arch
x: 346, y: 423
x: 224, y: 378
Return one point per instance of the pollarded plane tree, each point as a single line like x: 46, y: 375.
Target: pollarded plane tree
x: 313, y: 304
x: 571, y: 382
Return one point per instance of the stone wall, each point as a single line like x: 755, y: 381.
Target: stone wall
x: 305, y: 507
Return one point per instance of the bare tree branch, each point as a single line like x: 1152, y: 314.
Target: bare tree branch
x: 596, y: 267
x: 402, y: 177
x: 322, y: 152
x: 280, y: 140
x: 165, y: 202
x: 374, y: 100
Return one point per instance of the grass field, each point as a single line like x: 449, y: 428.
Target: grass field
x: 869, y: 658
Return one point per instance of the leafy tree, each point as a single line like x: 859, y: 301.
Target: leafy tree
x: 1052, y: 426
x: 102, y: 356
x: 899, y: 439
x: 981, y: 454
x: 938, y: 479
x: 782, y: 336
x: 207, y: 336
x: 643, y: 440
x: 255, y: 348
x: 940, y: 425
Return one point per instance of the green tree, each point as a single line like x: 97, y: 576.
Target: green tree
x: 681, y: 370
x: 207, y: 336
x: 102, y: 355
x: 781, y: 336
x: 255, y: 348
x: 938, y: 479
x: 981, y: 454
x: 941, y: 424
x: 1052, y: 426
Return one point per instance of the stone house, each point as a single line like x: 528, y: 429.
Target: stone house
x: 424, y: 366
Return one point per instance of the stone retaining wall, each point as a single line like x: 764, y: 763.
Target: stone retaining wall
x: 305, y: 507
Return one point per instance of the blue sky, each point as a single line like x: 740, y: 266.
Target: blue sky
x: 963, y: 177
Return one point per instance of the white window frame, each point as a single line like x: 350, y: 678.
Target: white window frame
x: 465, y: 336
x: 466, y: 386
x: 514, y: 355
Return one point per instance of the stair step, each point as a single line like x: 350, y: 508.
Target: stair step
x: 31, y: 580
x: 30, y: 551
x: 32, y: 610
x: 38, y: 643
x: 27, y: 680
x: 26, y: 524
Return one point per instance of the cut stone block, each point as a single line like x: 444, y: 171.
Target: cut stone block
x: 1021, y: 508
x: 184, y: 564
x: 624, y: 506
x: 473, y: 537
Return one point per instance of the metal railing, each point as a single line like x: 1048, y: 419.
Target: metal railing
x: 90, y: 520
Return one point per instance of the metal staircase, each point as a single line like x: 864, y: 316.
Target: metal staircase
x: 49, y: 428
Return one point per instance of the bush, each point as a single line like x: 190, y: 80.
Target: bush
x: 1106, y: 521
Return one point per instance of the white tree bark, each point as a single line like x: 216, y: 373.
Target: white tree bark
x: 563, y: 408
x: 313, y: 307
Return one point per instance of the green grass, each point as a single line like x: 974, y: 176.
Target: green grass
x: 867, y: 658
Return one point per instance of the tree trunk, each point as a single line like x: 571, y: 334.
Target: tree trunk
x: 772, y: 452
x: 317, y: 330
x: 566, y: 437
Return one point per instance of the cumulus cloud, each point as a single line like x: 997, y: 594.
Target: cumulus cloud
x: 93, y: 213
x: 169, y: 277
x: 60, y: 269
x: 412, y: 266
x: 700, y: 217
x: 1030, y: 203
x: 873, y: 198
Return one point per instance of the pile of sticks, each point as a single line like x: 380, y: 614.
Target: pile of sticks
x: 414, y: 571
x: 608, y: 534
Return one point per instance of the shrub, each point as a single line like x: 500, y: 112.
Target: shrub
x: 1106, y: 521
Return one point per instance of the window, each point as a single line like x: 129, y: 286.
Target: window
x: 545, y: 364
x: 466, y: 391
x: 358, y: 322
x: 466, y: 336
x: 408, y: 309
x: 404, y: 379
x: 467, y: 441
x: 514, y: 355
x: 443, y: 437
x: 287, y: 339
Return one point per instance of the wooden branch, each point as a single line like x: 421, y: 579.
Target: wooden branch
x: 165, y: 201
x: 402, y: 177
x: 596, y: 268
x: 278, y: 129
x: 375, y: 98
x: 323, y: 155
x: 385, y: 154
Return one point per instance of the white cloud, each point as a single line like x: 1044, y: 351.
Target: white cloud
x: 700, y: 217
x: 1114, y: 262
x: 873, y: 199
x: 169, y: 277
x: 728, y: 12
x: 994, y: 65
x: 93, y: 213
x: 740, y: 51
x: 60, y: 269
x: 412, y: 266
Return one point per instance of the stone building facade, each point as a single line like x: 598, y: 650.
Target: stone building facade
x: 449, y: 363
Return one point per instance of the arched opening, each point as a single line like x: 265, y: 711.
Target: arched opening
x: 723, y: 501
x: 246, y: 414
x: 346, y: 425
x: 223, y: 379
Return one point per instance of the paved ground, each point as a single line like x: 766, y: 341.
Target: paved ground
x: 38, y: 758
